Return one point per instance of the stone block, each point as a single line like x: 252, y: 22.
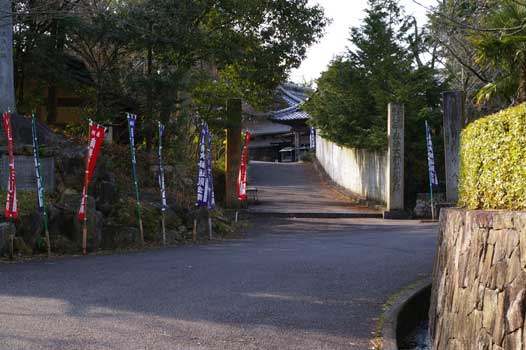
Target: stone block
x: 522, y: 245
x: 514, y: 266
x: 479, y: 299
x: 504, y: 220
x: 515, y: 313
x: 514, y: 340
x: 489, y: 309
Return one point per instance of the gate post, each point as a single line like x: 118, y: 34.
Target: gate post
x: 454, y: 121
x: 395, y: 159
x: 233, y: 151
x: 7, y: 88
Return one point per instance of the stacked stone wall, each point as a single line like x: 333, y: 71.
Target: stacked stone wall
x: 479, y: 285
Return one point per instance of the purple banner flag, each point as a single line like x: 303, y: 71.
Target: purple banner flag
x: 211, y: 195
x: 312, y: 138
x: 202, y: 177
x: 40, y: 186
x: 162, y: 184
x: 433, y: 179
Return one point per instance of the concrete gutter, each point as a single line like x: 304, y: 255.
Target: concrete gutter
x: 393, y: 316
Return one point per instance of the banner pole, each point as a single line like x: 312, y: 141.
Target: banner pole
x: 11, y: 239
x: 134, y: 168
x: 433, y: 217
x: 85, y: 199
x: 194, y: 231
x: 46, y: 232
x: 210, y: 225
x: 163, y: 223
x: 40, y: 186
x: 161, y: 182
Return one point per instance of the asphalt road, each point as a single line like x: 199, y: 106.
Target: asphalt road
x: 297, y: 188
x: 291, y: 284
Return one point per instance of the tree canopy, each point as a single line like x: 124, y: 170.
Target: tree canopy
x: 482, y: 45
x: 383, y: 64
x: 386, y: 62
x: 148, y: 55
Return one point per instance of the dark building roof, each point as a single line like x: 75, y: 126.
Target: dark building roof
x: 295, y: 96
x: 278, y: 122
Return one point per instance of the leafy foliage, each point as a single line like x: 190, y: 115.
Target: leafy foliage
x: 383, y: 65
x: 503, y: 49
x: 141, y: 54
x: 493, y: 161
x: 481, y: 45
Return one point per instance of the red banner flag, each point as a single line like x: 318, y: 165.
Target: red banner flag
x: 11, y: 208
x: 96, y: 133
x: 242, y: 177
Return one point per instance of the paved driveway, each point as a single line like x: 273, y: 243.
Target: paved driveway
x: 292, y: 284
x: 297, y: 188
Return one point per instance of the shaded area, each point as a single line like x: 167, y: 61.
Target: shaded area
x: 297, y: 188
x: 413, y: 322
x: 293, y: 284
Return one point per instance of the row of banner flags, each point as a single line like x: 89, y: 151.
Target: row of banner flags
x: 205, y: 180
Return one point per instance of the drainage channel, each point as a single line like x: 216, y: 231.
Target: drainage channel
x: 417, y: 339
x: 413, y: 322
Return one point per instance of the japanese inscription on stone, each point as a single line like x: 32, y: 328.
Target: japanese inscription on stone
x: 396, y: 158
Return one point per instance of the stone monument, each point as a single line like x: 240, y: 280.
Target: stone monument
x: 454, y: 121
x: 7, y: 88
x: 395, y: 167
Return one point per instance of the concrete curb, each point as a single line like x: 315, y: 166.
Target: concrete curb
x: 312, y: 215
x: 391, y: 316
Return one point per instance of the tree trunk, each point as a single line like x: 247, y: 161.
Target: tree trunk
x: 522, y: 83
x: 52, y: 108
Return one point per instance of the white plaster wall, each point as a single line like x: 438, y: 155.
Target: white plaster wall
x: 360, y: 171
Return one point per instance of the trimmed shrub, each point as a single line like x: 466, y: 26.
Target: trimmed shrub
x: 493, y: 162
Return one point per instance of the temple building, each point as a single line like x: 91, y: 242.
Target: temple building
x: 283, y: 134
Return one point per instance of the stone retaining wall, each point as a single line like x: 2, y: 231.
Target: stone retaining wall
x: 479, y: 282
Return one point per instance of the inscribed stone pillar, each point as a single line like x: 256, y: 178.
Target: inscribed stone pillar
x: 454, y: 121
x: 395, y: 158
x: 233, y: 151
x: 296, y: 146
x: 7, y: 88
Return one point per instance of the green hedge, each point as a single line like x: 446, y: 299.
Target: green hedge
x: 493, y: 162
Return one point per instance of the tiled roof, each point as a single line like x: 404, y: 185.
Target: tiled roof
x: 294, y: 96
x: 263, y: 126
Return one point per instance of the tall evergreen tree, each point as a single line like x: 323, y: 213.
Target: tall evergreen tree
x: 383, y: 64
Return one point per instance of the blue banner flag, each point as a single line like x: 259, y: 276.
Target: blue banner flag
x: 433, y: 179
x: 312, y: 138
x: 38, y: 172
x: 202, y: 176
x: 211, y: 195
x: 162, y: 184
x: 132, y: 119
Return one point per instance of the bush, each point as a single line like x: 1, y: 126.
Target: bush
x: 493, y: 162
x: 307, y: 157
